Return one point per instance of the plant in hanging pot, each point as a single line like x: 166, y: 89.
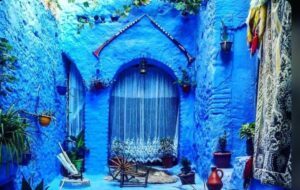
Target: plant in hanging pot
x: 247, y: 132
x: 187, y: 176
x: 186, y: 6
x: 226, y: 43
x: 14, y: 141
x: 45, y: 118
x: 139, y: 3
x: 99, y: 84
x: 222, y: 157
x: 167, y: 151
x: 185, y: 82
x: 114, y: 17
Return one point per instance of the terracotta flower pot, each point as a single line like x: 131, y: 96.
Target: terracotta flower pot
x: 186, y: 88
x: 44, y: 120
x: 222, y: 159
x: 214, y: 181
x: 167, y: 161
x: 188, y: 178
x: 226, y: 46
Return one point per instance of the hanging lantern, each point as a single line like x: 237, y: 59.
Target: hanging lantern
x: 143, y: 65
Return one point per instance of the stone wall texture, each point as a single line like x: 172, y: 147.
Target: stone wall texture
x: 224, y: 98
x: 226, y: 83
x: 142, y: 40
x: 33, y: 33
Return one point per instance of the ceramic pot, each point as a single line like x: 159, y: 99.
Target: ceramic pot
x: 222, y: 159
x: 226, y: 46
x: 8, y: 168
x: 167, y: 161
x: 186, y: 88
x: 188, y: 178
x: 214, y: 181
x: 8, y: 172
x: 114, y: 18
x: 62, y: 90
x: 44, y: 120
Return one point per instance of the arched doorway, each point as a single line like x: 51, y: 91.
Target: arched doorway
x: 143, y: 111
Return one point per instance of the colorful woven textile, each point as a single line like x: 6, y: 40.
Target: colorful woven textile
x: 272, y: 155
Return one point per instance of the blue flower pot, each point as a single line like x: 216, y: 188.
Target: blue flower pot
x: 62, y: 90
x: 7, y: 172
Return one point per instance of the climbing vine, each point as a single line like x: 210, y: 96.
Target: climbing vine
x: 7, y: 67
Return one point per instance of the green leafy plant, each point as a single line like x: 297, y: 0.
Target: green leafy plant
x: 83, y: 20
x: 186, y: 165
x: 247, y: 131
x: 7, y: 67
x: 222, y: 142
x: 13, y: 136
x: 186, y: 6
x: 139, y: 3
x: 224, y: 32
x: 166, y: 147
x: 28, y: 184
x: 185, y: 78
x: 78, y: 150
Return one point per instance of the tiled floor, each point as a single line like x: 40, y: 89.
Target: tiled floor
x: 98, y: 182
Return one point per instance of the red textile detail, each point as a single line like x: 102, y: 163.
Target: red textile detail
x: 248, y: 171
x: 254, y: 43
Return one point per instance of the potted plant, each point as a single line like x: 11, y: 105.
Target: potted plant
x: 186, y: 6
x: 114, y: 17
x: 99, y: 84
x: 247, y: 132
x: 139, y: 3
x: 187, y: 176
x: 14, y: 141
x: 26, y: 157
x: 45, y: 118
x: 226, y: 43
x: 167, y: 151
x: 185, y: 82
x: 222, y: 157
x: 78, y: 150
x: 28, y: 184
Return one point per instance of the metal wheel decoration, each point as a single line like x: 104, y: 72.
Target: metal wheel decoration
x: 119, y: 167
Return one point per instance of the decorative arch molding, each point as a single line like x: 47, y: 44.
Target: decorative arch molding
x: 189, y: 57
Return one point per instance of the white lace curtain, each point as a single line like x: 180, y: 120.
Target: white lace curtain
x: 143, y: 110
x: 76, y: 102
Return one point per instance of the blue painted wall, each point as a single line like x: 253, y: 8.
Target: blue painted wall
x: 226, y: 84
x: 142, y: 40
x: 33, y: 32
